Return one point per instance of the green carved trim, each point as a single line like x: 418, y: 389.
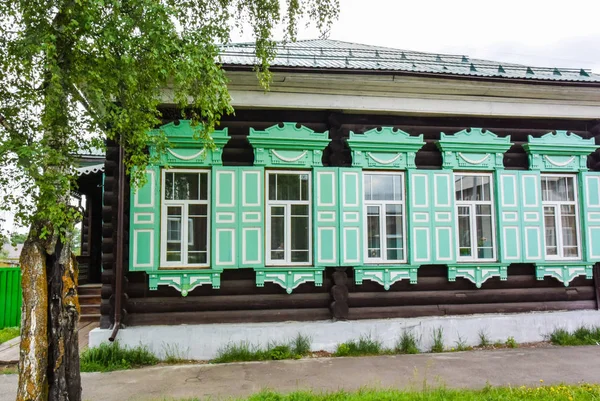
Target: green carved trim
x: 288, y: 278
x: 473, y: 148
x: 564, y: 272
x: 288, y: 145
x: 559, y: 151
x: 186, y: 148
x: 385, y: 275
x: 185, y: 281
x: 478, y: 274
x: 384, y: 147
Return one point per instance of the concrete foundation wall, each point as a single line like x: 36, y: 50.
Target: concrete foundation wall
x: 204, y: 340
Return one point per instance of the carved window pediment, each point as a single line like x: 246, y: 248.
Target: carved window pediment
x: 473, y: 149
x: 384, y: 147
x: 559, y: 151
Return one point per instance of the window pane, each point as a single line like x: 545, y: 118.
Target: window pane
x: 550, y: 227
x: 472, y: 188
x: 304, y: 192
x: 300, y: 234
x: 569, y: 231
x: 557, y: 189
x: 300, y: 256
x: 169, y: 186
x: 394, y: 232
x: 185, y: 186
x: 197, y: 233
x: 397, y: 187
x: 272, y: 186
x: 373, y: 232
x: 485, y: 248
x: 458, y: 187
x: 367, y: 187
x: 464, y: 231
x: 174, y: 230
x: 277, y: 233
x: 382, y: 187
x: 203, y: 186
x: 288, y: 187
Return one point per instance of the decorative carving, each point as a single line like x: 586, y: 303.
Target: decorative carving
x: 385, y: 147
x: 474, y: 148
x: 288, y: 145
x: 184, y: 281
x: 559, y: 151
x: 288, y: 278
x: 185, y: 146
x: 478, y: 274
x: 565, y: 273
x: 385, y: 275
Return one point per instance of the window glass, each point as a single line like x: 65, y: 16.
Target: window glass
x: 384, y: 195
x: 290, y: 231
x: 560, y: 216
x: 185, y: 218
x: 475, y: 215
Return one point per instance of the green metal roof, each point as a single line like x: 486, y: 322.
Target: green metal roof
x: 334, y: 54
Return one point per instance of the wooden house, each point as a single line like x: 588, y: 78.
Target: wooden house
x: 368, y: 183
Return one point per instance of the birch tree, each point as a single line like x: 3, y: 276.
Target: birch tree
x: 74, y: 73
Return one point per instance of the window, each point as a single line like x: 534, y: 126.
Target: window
x: 185, y: 222
x: 288, y: 218
x: 474, y: 209
x: 559, y: 199
x: 384, y: 211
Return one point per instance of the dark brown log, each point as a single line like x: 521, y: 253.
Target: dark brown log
x: 394, y: 312
x: 481, y: 296
x: 228, y: 303
x: 518, y: 307
x: 340, y: 276
x: 240, y: 316
x: 339, y: 310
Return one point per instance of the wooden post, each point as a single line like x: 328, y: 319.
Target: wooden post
x: 596, y: 273
x: 339, y: 293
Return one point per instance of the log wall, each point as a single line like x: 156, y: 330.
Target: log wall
x: 239, y: 300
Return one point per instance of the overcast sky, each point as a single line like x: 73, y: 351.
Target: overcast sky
x: 537, y: 33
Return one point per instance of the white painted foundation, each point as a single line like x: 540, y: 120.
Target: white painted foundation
x: 202, y: 341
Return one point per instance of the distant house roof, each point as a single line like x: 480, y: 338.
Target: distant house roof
x: 335, y: 54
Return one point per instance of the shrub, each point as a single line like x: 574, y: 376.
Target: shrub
x: 407, y: 343
x: 511, y: 343
x: 109, y: 357
x: 582, y: 336
x: 301, y: 345
x: 364, y: 346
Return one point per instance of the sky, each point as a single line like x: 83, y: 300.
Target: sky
x: 536, y: 33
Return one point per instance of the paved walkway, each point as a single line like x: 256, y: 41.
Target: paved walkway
x: 462, y: 369
x: 9, y: 351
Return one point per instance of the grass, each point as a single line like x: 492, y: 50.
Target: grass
x: 174, y: 355
x: 407, y: 343
x: 461, y: 345
x: 582, y: 392
x: 582, y: 336
x: 245, y: 352
x: 8, y: 370
x: 511, y: 343
x: 365, y: 345
x: 8, y: 333
x: 110, y: 357
x: 438, y: 340
x: 484, y: 339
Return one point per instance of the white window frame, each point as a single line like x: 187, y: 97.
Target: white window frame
x: 558, y: 220
x: 382, y: 224
x: 288, y: 219
x: 164, y: 204
x: 473, y: 208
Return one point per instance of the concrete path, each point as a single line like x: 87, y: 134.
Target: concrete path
x: 462, y: 369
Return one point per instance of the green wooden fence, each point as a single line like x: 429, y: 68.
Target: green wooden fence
x: 10, y: 297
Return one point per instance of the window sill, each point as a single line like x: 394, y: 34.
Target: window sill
x: 565, y: 271
x: 478, y: 272
x: 184, y: 281
x: 289, y: 277
x: 385, y: 275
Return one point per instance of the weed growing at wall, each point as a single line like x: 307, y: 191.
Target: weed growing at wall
x: 244, y: 351
x: 484, y: 340
x: 438, y: 340
x: 109, y: 357
x: 407, y: 343
x: 582, y: 336
x: 511, y: 342
x: 366, y: 345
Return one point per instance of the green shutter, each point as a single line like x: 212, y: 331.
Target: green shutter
x: 532, y: 216
x: 508, y: 216
x: 325, y: 216
x: 419, y: 219
x: 443, y: 214
x: 590, y: 214
x: 431, y: 220
x: 144, y: 252
x: 351, y: 216
x: 224, y: 217
x: 252, y: 213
